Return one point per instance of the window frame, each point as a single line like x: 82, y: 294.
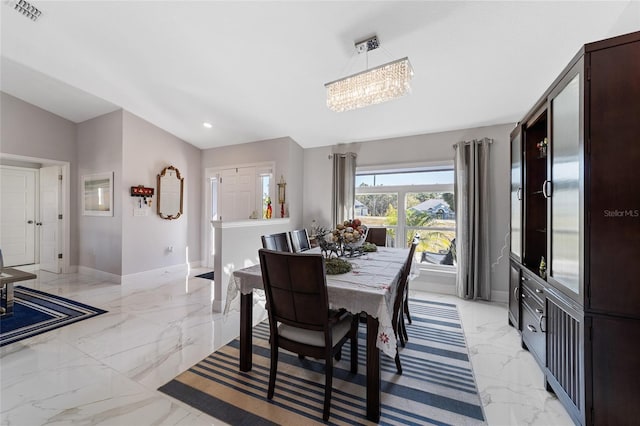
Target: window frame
x: 402, y: 191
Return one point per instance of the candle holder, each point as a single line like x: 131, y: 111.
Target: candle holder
x: 281, y: 194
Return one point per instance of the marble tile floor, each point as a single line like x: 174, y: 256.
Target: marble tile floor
x: 105, y: 370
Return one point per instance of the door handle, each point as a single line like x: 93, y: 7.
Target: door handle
x: 29, y: 222
x: 519, y: 194
x: 545, y: 186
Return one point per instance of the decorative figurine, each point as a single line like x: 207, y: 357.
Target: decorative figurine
x: 269, y: 211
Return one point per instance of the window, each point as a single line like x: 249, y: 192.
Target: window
x: 411, y: 203
x: 265, y: 191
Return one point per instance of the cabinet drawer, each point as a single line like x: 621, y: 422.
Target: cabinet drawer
x: 532, y: 300
x: 534, y: 286
x: 533, y: 334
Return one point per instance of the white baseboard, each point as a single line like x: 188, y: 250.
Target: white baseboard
x: 166, y: 272
x: 101, y: 275
x: 217, y: 306
x: 159, y: 273
x: 432, y: 287
x: 499, y: 296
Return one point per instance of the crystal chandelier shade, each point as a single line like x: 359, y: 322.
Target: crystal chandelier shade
x: 380, y: 84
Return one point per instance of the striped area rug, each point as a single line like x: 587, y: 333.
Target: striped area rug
x: 35, y: 312
x: 437, y: 385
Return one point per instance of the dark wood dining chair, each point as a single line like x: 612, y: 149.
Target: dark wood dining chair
x: 299, y: 240
x: 299, y: 317
x: 277, y: 242
x: 377, y: 236
x: 398, y: 319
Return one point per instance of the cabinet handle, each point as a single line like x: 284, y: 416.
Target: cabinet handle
x: 539, y: 311
x: 532, y: 328
x: 540, y: 323
x: 539, y: 291
x: 519, y: 194
x: 515, y: 294
x: 523, y: 279
x: 544, y: 189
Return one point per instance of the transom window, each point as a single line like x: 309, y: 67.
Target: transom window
x: 411, y: 203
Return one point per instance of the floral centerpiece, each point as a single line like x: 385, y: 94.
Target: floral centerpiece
x: 345, y: 237
x: 351, y: 232
x: 349, y: 235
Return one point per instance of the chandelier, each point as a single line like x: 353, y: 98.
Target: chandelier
x: 373, y: 86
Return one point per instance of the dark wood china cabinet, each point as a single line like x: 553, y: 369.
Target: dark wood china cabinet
x: 575, y: 233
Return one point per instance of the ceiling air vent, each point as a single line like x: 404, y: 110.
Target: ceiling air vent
x: 27, y: 9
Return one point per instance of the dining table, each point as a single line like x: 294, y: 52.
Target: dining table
x: 369, y: 288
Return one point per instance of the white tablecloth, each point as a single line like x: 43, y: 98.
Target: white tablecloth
x: 370, y: 287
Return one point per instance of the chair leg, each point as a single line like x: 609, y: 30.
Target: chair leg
x: 406, y: 305
x: 401, y: 332
x: 328, y: 384
x: 273, y: 370
x: 398, y: 365
x: 403, y: 328
x: 354, y: 345
x: 338, y: 355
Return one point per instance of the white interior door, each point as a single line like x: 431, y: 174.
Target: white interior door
x: 50, y: 220
x: 18, y: 215
x: 237, y: 192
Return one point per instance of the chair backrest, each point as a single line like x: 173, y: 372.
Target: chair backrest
x: 299, y: 240
x: 295, y: 286
x: 278, y: 242
x: 402, y: 286
x: 377, y: 236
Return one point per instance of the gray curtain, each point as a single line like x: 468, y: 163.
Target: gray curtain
x: 344, y: 182
x: 472, y: 219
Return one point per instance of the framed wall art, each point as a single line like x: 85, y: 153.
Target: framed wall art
x: 97, y: 194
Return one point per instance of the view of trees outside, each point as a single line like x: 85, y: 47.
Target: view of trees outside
x: 430, y: 215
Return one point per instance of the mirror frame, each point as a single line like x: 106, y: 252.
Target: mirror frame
x: 163, y: 175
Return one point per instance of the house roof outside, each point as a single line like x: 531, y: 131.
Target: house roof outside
x: 433, y: 204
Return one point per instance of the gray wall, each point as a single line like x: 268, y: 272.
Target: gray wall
x: 417, y: 149
x: 99, y: 151
x: 135, y: 151
x: 147, y: 150
x: 29, y: 131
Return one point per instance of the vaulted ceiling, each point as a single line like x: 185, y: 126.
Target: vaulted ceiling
x: 256, y: 70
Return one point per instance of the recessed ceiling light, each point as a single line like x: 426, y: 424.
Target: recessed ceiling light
x: 207, y: 125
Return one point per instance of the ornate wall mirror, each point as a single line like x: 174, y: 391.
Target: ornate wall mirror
x: 170, y: 188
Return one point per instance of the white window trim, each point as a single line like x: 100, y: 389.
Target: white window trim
x: 402, y: 191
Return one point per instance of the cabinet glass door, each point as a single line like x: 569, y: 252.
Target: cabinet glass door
x: 516, y: 196
x: 565, y: 251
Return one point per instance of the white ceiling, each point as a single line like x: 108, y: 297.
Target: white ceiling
x: 256, y: 70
